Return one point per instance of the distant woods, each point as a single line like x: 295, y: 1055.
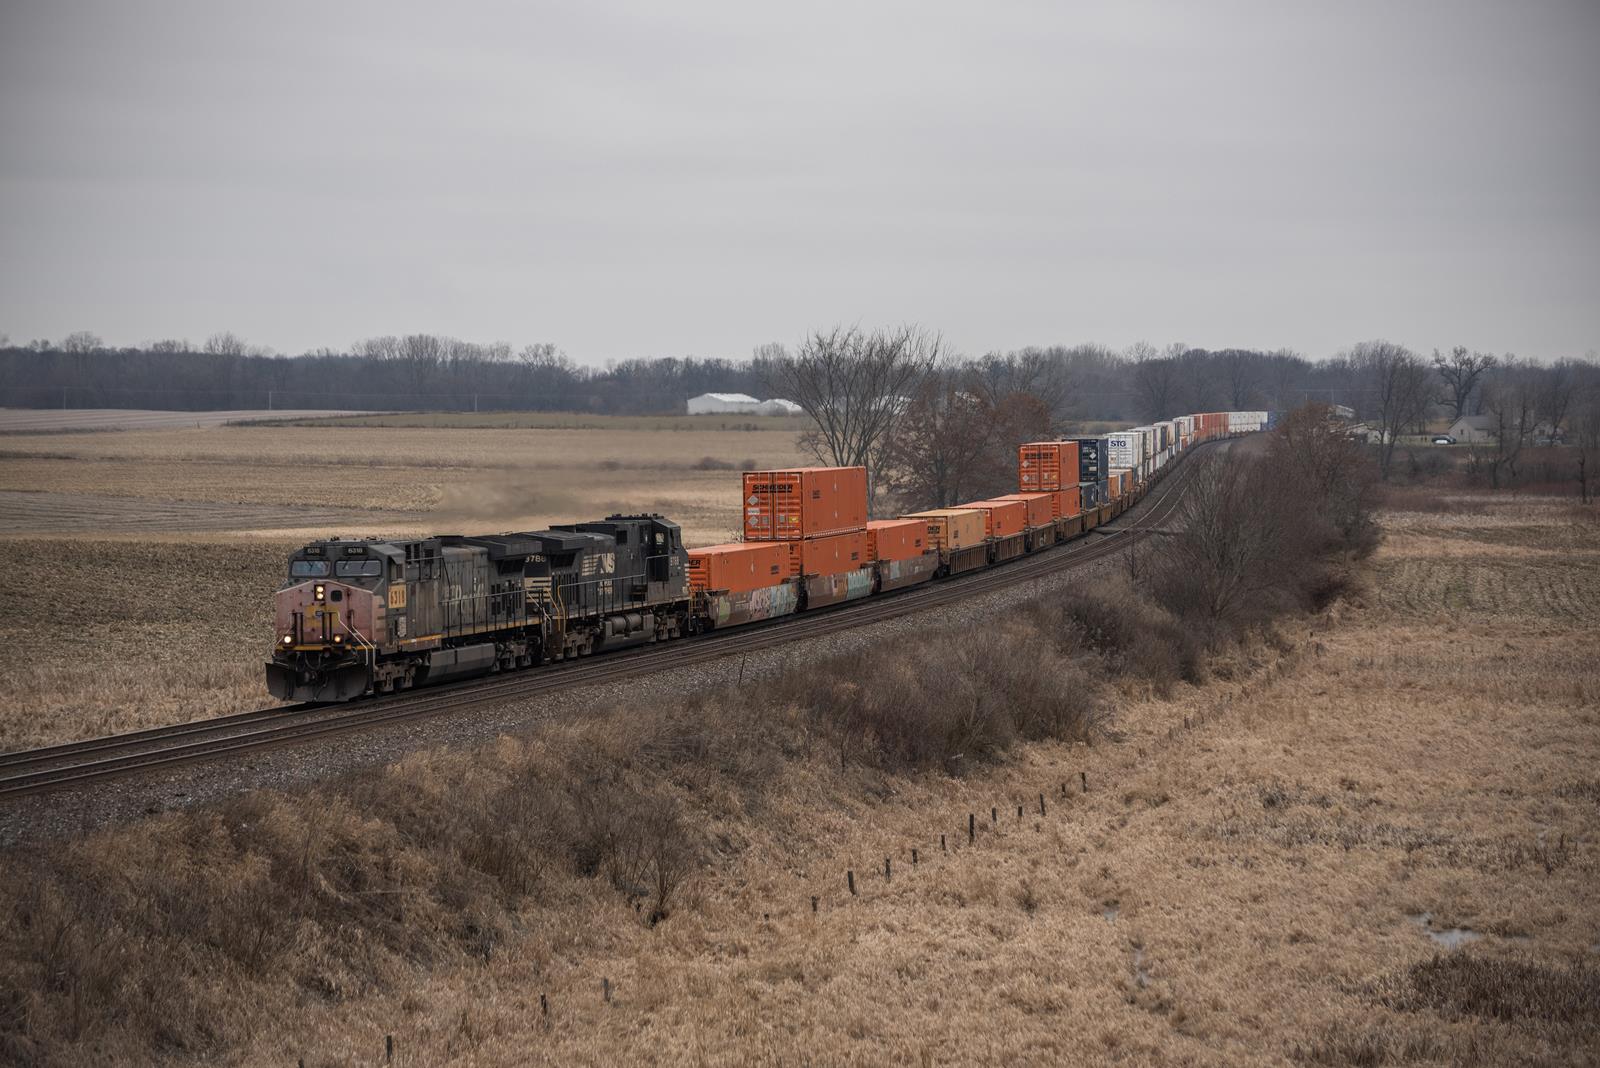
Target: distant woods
x: 391, y: 373
x: 877, y: 396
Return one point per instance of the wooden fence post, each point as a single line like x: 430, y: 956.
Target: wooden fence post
x: 1083, y: 777
x: 1041, y: 804
x: 850, y: 880
x: 388, y: 1049
x: 888, y: 873
x: 972, y: 827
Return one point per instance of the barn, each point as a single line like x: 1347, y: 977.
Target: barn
x: 721, y: 403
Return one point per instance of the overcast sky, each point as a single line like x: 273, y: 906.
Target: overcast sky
x: 697, y: 179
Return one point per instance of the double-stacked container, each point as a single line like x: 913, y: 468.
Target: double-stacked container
x: 820, y: 515
x: 1093, y: 463
x: 1185, y: 425
x: 1058, y: 467
x: 1125, y: 451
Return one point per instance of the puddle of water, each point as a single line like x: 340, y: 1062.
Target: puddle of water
x: 1449, y: 937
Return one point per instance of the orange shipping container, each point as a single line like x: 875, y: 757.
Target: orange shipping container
x: 1068, y: 502
x: 833, y: 554
x: 1002, y: 519
x: 804, y: 502
x: 1041, y: 506
x: 1042, y: 466
x: 738, y: 567
x: 951, y: 528
x: 897, y: 539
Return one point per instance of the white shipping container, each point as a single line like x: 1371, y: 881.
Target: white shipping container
x: 1123, y: 450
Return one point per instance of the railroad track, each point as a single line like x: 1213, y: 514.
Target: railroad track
x: 60, y: 767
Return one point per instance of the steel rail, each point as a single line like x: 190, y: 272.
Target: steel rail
x: 58, y: 767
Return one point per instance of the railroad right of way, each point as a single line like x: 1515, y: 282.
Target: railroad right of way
x: 60, y: 789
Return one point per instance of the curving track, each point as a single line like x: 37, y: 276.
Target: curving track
x: 72, y: 764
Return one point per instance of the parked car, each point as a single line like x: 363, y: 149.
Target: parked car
x: 1443, y: 439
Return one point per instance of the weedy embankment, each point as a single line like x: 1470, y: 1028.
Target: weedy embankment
x: 195, y: 934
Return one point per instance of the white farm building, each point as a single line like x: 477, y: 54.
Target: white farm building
x: 739, y: 404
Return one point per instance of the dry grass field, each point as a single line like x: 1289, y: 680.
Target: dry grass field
x: 1377, y: 845
x: 150, y: 556
x: 1368, y: 839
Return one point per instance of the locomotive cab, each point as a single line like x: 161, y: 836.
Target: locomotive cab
x: 330, y: 619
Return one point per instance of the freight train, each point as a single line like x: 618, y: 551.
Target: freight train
x: 358, y: 617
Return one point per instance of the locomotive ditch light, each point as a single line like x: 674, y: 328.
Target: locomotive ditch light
x: 320, y: 591
x: 288, y: 639
x: 338, y: 639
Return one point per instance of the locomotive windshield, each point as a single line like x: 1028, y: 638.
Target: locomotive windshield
x: 308, y: 569
x: 358, y: 568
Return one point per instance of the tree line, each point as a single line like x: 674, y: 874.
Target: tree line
x: 877, y: 396
x: 936, y: 429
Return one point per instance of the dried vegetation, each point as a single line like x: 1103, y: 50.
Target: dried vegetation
x: 1265, y: 820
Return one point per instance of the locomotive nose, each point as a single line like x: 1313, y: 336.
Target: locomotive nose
x: 313, y: 616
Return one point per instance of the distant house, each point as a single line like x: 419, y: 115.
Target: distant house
x: 722, y: 403
x: 740, y: 404
x: 1473, y: 429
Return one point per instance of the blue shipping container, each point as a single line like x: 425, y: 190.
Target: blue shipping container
x: 1092, y: 459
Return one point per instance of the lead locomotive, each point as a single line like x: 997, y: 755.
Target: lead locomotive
x: 358, y: 617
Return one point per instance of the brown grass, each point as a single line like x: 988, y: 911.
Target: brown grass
x: 118, y: 635
x: 1238, y: 884
x: 496, y: 479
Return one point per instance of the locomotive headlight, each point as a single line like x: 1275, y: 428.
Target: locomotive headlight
x: 320, y: 591
x: 288, y: 639
x: 338, y: 639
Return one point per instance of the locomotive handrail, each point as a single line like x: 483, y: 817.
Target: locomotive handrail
x: 366, y: 646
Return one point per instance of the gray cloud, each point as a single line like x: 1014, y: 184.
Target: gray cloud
x: 700, y: 178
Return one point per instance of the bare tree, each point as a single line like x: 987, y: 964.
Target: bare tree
x: 80, y: 342
x: 855, y: 386
x: 933, y: 458
x: 1155, y: 380
x: 1240, y: 370
x: 1397, y: 383
x: 1586, y: 434
x: 1510, y: 401
x: 1559, y: 382
x: 1040, y: 373
x: 227, y: 343
x: 1461, y: 371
